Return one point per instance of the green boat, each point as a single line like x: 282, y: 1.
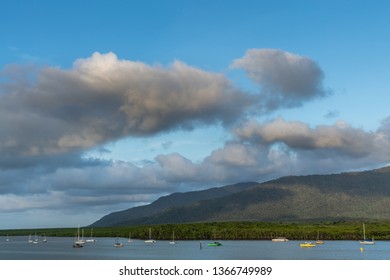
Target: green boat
x: 215, y: 243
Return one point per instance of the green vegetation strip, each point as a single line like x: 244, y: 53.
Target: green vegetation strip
x: 226, y: 231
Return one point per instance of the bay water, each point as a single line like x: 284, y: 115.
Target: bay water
x: 61, y: 248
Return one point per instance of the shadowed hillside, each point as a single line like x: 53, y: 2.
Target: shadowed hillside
x: 350, y: 196
x: 163, y: 203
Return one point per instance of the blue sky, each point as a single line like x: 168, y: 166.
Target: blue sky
x: 105, y: 105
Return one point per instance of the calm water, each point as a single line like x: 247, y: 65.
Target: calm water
x: 60, y: 248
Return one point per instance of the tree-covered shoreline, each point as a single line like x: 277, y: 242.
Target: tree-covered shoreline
x: 340, y: 230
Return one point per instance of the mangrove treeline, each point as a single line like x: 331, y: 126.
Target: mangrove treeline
x: 225, y: 231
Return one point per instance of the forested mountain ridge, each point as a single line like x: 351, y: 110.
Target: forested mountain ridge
x: 167, y: 202
x: 348, y: 196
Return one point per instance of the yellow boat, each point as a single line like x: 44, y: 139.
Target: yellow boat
x: 307, y: 245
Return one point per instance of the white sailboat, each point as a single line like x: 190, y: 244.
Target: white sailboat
x: 150, y: 240
x: 129, y: 240
x: 82, y: 236
x: 279, y: 239
x: 36, y: 240
x: 173, y: 239
x: 79, y: 242
x: 117, y: 243
x: 319, y: 241
x: 366, y: 241
x: 91, y: 239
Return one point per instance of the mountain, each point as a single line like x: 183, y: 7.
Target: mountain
x: 349, y: 196
x: 133, y: 215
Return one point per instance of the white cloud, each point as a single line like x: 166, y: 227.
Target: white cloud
x: 286, y: 79
x: 104, y: 99
x: 340, y: 138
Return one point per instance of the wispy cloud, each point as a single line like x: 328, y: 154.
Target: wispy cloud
x: 331, y: 114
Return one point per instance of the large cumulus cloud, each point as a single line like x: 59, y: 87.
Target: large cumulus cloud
x: 104, y: 99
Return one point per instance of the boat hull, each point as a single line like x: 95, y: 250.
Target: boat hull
x: 307, y: 245
x: 215, y: 244
x: 367, y: 242
x: 280, y: 239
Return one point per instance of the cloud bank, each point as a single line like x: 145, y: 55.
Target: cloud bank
x: 51, y: 117
x: 104, y: 99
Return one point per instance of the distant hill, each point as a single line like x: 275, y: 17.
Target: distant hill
x: 137, y: 214
x: 348, y: 196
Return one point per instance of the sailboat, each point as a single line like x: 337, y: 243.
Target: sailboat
x: 150, y: 240
x: 29, y: 239
x: 82, y: 236
x: 91, y: 239
x: 319, y: 241
x: 117, y: 243
x: 78, y: 243
x: 366, y: 241
x: 173, y: 238
x: 36, y: 240
x: 129, y: 240
x: 279, y: 239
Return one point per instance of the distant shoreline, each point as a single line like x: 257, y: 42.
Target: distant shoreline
x: 339, y: 230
